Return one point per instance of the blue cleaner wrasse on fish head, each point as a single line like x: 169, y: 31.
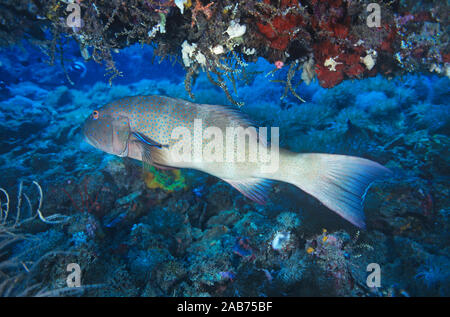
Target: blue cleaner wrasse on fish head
x: 151, y: 128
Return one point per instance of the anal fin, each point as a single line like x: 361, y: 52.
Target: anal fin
x: 163, y: 167
x: 253, y: 188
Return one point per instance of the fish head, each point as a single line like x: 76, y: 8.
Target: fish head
x: 107, y: 132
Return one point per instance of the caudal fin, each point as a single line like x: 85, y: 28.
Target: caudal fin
x: 340, y: 182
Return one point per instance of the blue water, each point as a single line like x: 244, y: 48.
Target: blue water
x: 134, y: 237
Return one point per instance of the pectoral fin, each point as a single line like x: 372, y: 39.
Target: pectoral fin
x: 152, y: 152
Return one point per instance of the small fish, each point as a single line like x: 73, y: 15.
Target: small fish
x: 77, y: 69
x: 142, y: 128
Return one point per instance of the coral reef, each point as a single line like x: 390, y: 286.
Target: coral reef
x: 332, y: 40
x: 140, y: 232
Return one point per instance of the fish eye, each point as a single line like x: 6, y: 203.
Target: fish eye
x: 95, y: 115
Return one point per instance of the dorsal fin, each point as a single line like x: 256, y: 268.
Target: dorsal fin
x: 234, y: 114
x: 231, y: 113
x: 253, y: 188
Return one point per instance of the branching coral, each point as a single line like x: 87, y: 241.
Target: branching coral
x: 218, y: 65
x: 288, y: 82
x: 5, y: 215
x: 16, y: 274
x: 205, y: 9
x: 87, y: 202
x: 108, y: 26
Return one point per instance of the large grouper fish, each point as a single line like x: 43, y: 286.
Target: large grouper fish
x: 142, y: 128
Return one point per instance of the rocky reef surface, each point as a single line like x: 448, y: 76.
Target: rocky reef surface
x: 137, y: 232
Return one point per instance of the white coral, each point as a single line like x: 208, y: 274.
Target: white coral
x: 190, y: 54
x: 331, y: 64
x: 235, y: 29
x: 218, y: 49
x: 370, y: 59
x: 180, y: 4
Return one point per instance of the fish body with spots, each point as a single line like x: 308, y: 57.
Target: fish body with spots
x: 143, y: 128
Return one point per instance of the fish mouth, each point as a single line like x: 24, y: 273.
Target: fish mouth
x: 91, y: 141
